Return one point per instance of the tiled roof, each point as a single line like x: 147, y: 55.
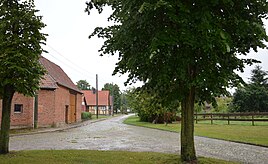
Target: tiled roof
x: 103, y: 97
x: 55, y: 76
x: 47, y: 82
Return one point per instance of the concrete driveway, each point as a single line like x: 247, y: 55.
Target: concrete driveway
x: 112, y: 134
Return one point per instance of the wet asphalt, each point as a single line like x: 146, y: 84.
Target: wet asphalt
x: 112, y: 134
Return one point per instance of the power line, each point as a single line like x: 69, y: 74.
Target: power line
x: 76, y: 67
x: 67, y: 65
x: 74, y: 64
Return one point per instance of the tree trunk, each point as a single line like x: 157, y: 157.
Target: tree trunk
x: 5, y: 123
x: 187, y: 128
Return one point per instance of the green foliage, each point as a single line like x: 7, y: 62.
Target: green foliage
x: 149, y: 109
x: 174, y: 46
x: 124, y: 103
x: 252, y: 97
x: 183, y: 50
x: 86, y: 115
x: 222, y: 104
x: 20, y: 46
x: 83, y: 85
x: 132, y: 99
x: 116, y: 93
x: 259, y: 76
x: 221, y: 107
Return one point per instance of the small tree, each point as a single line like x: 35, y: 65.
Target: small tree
x: 259, y: 76
x: 20, y: 49
x: 252, y: 97
x: 148, y: 108
x: 83, y: 85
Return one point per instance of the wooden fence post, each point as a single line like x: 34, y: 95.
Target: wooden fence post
x: 211, y: 118
x: 252, y: 120
x: 228, y: 116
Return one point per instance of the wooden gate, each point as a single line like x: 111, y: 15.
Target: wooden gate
x: 72, y: 110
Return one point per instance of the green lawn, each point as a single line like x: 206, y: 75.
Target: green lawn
x: 96, y: 157
x: 243, y: 132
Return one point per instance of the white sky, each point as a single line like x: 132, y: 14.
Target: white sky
x: 68, y: 27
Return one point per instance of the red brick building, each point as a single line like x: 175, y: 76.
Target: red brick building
x: 105, y: 102
x: 58, y: 101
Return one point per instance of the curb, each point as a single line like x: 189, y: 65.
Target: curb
x: 60, y: 129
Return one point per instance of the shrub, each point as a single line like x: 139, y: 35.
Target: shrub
x: 86, y: 115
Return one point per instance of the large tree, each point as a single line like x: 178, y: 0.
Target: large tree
x: 83, y: 85
x: 184, y: 50
x: 20, y: 70
x: 116, y: 93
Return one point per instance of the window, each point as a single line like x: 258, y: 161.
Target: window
x: 18, y: 108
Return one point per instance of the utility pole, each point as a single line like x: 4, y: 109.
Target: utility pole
x: 97, y: 96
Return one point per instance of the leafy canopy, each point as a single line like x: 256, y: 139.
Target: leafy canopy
x: 175, y: 45
x: 148, y: 108
x: 83, y: 85
x: 115, y: 92
x: 183, y: 50
x: 20, y: 46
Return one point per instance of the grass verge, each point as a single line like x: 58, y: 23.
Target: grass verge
x: 96, y: 157
x: 256, y: 135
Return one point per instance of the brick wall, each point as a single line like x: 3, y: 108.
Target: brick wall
x: 78, y: 107
x: 46, y: 108
x: 24, y: 118
x: 62, y: 98
x: 51, y: 108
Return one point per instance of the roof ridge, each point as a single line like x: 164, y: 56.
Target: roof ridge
x: 58, y: 74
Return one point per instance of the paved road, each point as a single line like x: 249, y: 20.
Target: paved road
x: 111, y: 134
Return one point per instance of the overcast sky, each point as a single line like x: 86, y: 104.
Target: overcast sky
x: 68, y: 27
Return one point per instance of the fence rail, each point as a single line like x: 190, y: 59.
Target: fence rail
x: 253, y: 117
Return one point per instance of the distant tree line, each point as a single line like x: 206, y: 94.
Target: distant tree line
x: 114, y: 91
